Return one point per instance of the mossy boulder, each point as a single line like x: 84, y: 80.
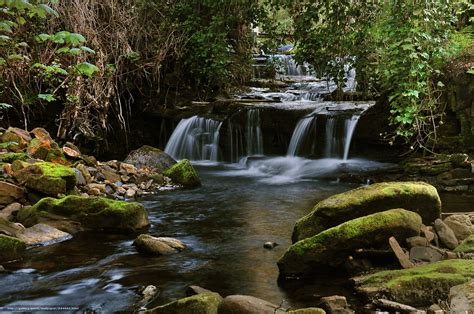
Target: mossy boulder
x: 17, y: 137
x: 331, y: 248
x: 45, y: 177
x: 10, y: 248
x: 183, y: 173
x: 94, y: 213
x: 204, y: 303
x: 466, y: 246
x: 46, y: 149
x: 151, y: 157
x: 419, y: 197
x: 11, y: 157
x: 419, y: 286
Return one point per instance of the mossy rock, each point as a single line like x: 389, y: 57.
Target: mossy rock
x: 11, y: 157
x: 419, y: 197
x: 45, y: 177
x: 17, y: 138
x: 419, y: 286
x: 10, y: 248
x: 47, y: 150
x: 466, y: 246
x: 331, y: 248
x: 183, y: 173
x: 204, y: 303
x: 94, y: 213
x: 151, y: 157
x: 308, y: 310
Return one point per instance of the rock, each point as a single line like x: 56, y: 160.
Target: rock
x: 10, y: 248
x: 148, y: 244
x: 147, y: 156
x: 435, y: 309
x: 45, y: 177
x: 425, y: 254
x: 110, y: 175
x: 98, y: 186
x: 11, y: 157
x: 308, y: 310
x: 45, y: 148
x: 157, y: 178
x: 466, y: 246
x: 428, y: 233
x: 330, y: 248
x: 336, y: 304
x: 128, y: 169
x: 243, y: 304
x: 20, y: 137
x: 270, y: 245
x: 183, y: 173
x: 41, y: 234
x: 461, y: 298
x: 96, y: 213
x: 417, y: 241
x: 9, y: 228
x: 420, y: 286
x: 10, y: 211
x: 402, y: 257
x: 80, y: 180
x: 71, y: 150
x: 459, y: 160
x: 461, y: 226
x: 193, y: 290
x: 206, y: 303
x: 148, y: 294
x: 445, y: 234
x: 10, y: 193
x: 395, y: 306
x: 131, y: 193
x: 85, y: 173
x: 414, y: 196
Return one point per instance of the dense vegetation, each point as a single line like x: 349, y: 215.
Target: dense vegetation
x: 89, y: 60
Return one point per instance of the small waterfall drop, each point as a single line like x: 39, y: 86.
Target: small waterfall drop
x: 195, y: 138
x: 253, y: 133
x: 301, y: 131
x: 331, y: 139
x: 350, y: 128
x: 287, y: 65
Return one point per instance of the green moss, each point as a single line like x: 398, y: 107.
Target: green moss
x: 55, y: 170
x: 414, y: 196
x: 466, y: 246
x: 205, y: 303
x: 10, y: 247
x: 183, y: 173
x: 11, y: 157
x: 309, y: 310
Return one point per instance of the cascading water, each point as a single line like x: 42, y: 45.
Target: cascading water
x: 195, y: 138
x: 331, y: 139
x: 350, y: 128
x: 287, y: 65
x: 301, y: 131
x: 253, y: 133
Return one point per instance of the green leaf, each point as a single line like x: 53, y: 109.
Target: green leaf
x: 75, y: 51
x: 47, y: 97
x: 4, y: 106
x: 88, y: 50
x: 48, y: 9
x: 86, y: 68
x: 470, y: 71
x: 440, y: 84
x: 74, y: 39
x: 42, y: 37
x: 63, y: 50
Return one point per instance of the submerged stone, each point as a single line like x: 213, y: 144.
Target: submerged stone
x: 419, y: 286
x: 148, y: 244
x: 419, y: 197
x: 330, y: 248
x: 183, y: 173
x: 205, y: 303
x: 96, y: 213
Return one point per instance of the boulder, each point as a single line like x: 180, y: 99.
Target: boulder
x: 336, y: 304
x: 45, y: 177
x: 11, y: 157
x: 10, y: 228
x: 148, y: 156
x: 461, y: 225
x: 205, y: 303
x: 419, y: 286
x: 243, y: 304
x: 461, y: 298
x: 445, y: 234
x: 19, y: 137
x: 193, y: 290
x: 41, y: 234
x: 308, y: 310
x: 96, y: 213
x: 44, y: 147
x: 419, y: 197
x: 183, y: 173
x: 426, y: 254
x: 331, y: 248
x: 466, y: 246
x: 148, y: 244
x: 10, y: 211
x: 10, y: 248
x: 10, y: 193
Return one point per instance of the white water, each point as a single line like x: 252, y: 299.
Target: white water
x: 350, y: 128
x: 301, y: 131
x: 195, y: 138
x: 254, y: 133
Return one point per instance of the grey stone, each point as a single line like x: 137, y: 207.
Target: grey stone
x: 148, y: 244
x: 41, y: 234
x: 243, y: 304
x: 461, y: 298
x: 417, y: 241
x: 426, y: 254
x: 270, y: 245
x: 445, y: 234
x: 461, y: 225
x: 336, y: 304
x: 193, y: 290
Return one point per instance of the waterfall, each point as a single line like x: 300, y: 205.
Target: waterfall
x: 195, y: 138
x: 301, y: 130
x: 331, y: 139
x: 254, y: 133
x: 287, y: 65
x: 350, y: 128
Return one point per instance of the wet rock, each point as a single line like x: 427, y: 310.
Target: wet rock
x: 425, y: 254
x: 41, y: 234
x: 9, y: 228
x: 270, y: 245
x: 243, y: 304
x: 148, y: 294
x: 10, y: 211
x: 420, y: 286
x: 461, y: 298
x: 183, y: 173
x: 10, y: 248
x: 417, y: 241
x: 147, y: 156
x: 336, y: 304
x: 395, y: 306
x: 466, y: 246
x: 445, y: 234
x: 10, y: 193
x: 96, y: 213
x: 414, y: 196
x: 308, y: 310
x: 330, y: 248
x: 461, y: 226
x: 201, y: 303
x: 193, y: 290
x: 148, y: 244
x: 45, y: 177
